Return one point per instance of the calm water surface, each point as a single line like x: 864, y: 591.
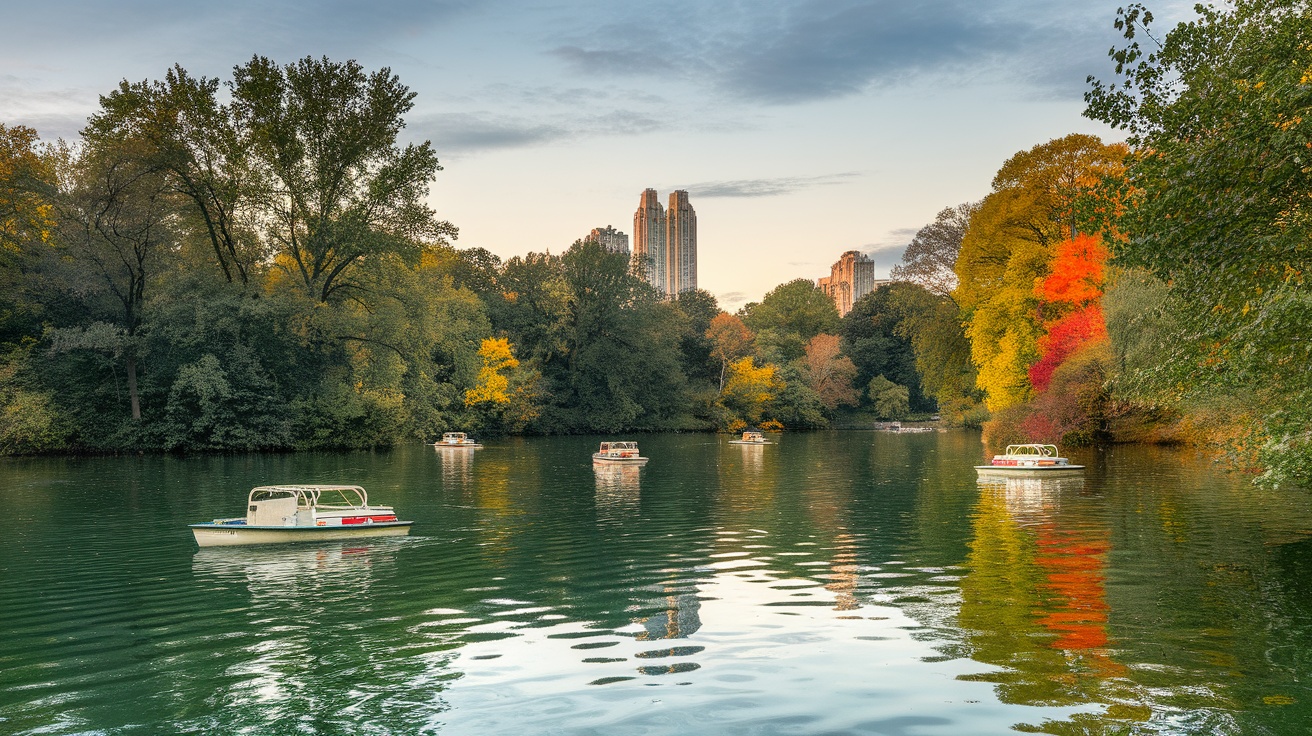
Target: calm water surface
x: 835, y: 583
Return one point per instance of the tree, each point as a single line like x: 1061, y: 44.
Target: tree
x: 198, y: 144
x: 942, y: 353
x: 1218, y: 116
x: 119, y: 221
x: 335, y: 188
x: 730, y: 340
x: 700, y: 308
x: 750, y: 388
x: 875, y: 341
x: 888, y: 399
x: 27, y: 226
x: 789, y: 316
x: 1070, y: 295
x: 829, y: 373
x: 932, y: 255
x: 493, y: 386
x: 1040, y: 198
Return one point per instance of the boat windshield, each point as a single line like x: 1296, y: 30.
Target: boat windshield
x: 314, y: 496
x: 618, y: 446
x: 453, y: 437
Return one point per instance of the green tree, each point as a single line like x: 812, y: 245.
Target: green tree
x: 874, y: 339
x: 197, y: 143
x: 1217, y: 112
x: 335, y: 187
x: 118, y: 221
x: 888, y: 399
x: 789, y: 316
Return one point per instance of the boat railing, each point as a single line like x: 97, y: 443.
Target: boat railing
x: 309, y: 496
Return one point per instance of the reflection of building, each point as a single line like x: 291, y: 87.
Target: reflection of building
x: 611, y: 239
x: 851, y: 278
x: 665, y: 242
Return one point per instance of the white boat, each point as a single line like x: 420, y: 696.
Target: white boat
x: 276, y: 514
x: 457, y: 439
x: 618, y: 453
x: 751, y: 438
x: 1029, y: 461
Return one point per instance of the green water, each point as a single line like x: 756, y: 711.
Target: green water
x: 835, y: 583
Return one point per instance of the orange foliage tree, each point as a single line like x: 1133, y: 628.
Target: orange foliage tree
x: 1069, y: 298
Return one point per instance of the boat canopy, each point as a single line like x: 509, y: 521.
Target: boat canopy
x: 1032, y: 450
x: 614, y: 446
x: 314, y: 496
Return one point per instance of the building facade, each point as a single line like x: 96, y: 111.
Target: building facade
x: 649, y: 238
x: 680, y: 245
x: 611, y: 239
x: 851, y: 278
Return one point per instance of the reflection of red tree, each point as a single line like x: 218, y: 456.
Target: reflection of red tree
x: 1073, y: 563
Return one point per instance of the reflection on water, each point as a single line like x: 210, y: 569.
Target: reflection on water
x: 619, y: 489
x: 457, y: 464
x: 835, y: 583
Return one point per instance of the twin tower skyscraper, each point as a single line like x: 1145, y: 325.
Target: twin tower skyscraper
x: 666, y: 240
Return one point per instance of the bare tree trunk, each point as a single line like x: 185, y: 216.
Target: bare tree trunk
x: 132, y: 387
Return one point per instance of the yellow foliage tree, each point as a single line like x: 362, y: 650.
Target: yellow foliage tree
x: 493, y: 386
x: 749, y: 388
x: 1037, y: 202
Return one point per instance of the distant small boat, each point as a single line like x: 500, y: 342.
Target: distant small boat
x: 618, y: 453
x: 276, y: 514
x: 897, y: 427
x: 458, y: 439
x: 1029, y: 460
x: 751, y: 438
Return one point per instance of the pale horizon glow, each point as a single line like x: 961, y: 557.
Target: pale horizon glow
x: 802, y: 129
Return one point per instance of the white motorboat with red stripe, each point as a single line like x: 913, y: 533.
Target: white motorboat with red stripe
x: 458, y: 439
x: 618, y: 453
x: 751, y: 437
x: 1028, y: 461
x: 302, y: 513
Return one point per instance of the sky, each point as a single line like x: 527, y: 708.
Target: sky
x: 800, y: 128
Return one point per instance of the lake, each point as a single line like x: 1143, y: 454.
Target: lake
x: 834, y: 583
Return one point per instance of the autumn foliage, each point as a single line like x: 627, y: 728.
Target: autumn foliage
x: 1073, y: 289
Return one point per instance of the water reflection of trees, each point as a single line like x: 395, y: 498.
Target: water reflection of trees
x: 311, y: 656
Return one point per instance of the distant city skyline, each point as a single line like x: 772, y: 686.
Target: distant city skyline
x: 798, y: 127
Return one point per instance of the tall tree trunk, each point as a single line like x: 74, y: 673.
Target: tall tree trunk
x: 132, y: 387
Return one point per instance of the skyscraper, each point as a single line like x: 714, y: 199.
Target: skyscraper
x: 649, y: 238
x: 680, y: 245
x: 611, y: 239
x: 851, y: 278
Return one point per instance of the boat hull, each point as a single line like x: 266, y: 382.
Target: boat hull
x: 1028, y: 471
x: 232, y: 535
x: 453, y: 446
x: 740, y: 442
x: 637, y: 461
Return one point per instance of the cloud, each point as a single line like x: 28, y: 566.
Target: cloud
x: 793, y: 51
x: 730, y: 299
x: 462, y: 132
x: 763, y: 187
x: 609, y: 61
x: 480, y: 131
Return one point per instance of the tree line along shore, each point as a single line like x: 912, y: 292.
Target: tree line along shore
x: 250, y: 264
